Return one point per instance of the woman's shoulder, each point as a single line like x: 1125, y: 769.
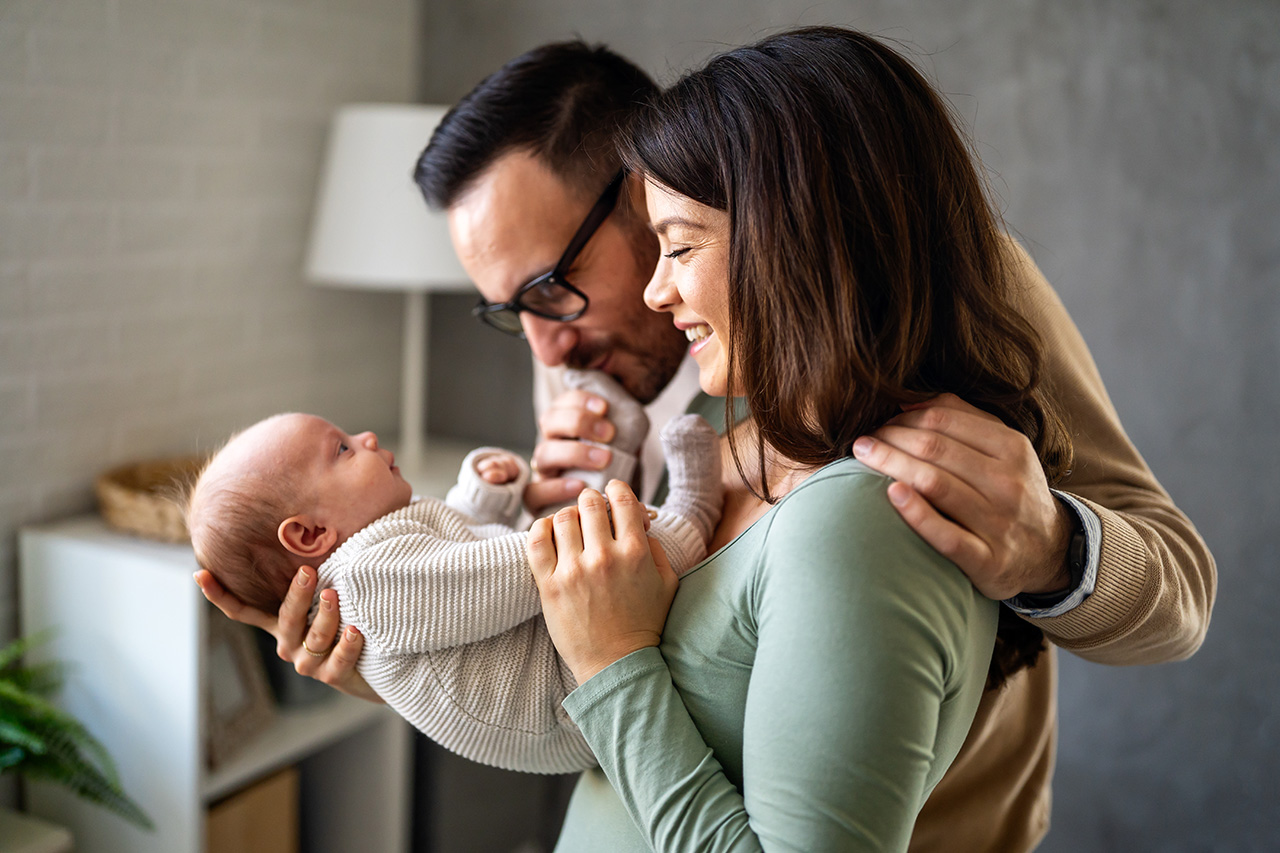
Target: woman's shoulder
x: 844, y: 484
x: 838, y: 554
x: 837, y: 500
x: 839, y: 528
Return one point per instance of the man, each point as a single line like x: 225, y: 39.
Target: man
x: 525, y: 165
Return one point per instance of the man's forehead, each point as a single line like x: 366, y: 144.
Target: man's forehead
x: 518, y: 172
x: 512, y: 223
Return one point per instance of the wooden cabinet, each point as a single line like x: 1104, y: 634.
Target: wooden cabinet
x: 20, y: 833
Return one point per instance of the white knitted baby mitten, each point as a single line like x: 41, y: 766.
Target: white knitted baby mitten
x: 485, y: 502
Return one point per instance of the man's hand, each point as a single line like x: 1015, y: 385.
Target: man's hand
x: 573, y: 416
x: 335, y: 665
x: 973, y: 489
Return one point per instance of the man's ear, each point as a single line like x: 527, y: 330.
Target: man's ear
x: 306, y: 537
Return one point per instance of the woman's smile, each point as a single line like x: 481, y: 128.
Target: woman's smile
x: 697, y: 334
x: 691, y: 280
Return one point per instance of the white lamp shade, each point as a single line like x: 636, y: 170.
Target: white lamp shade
x: 372, y: 227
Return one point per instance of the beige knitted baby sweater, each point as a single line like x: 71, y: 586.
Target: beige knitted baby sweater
x: 454, y: 637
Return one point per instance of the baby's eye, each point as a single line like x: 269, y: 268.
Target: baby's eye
x: 342, y: 448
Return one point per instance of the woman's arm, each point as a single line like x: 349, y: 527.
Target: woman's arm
x: 871, y: 653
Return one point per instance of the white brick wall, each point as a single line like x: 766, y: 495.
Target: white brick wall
x: 157, y: 166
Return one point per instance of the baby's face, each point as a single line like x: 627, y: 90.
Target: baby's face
x: 351, y: 479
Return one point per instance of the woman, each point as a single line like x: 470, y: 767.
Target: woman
x: 828, y: 249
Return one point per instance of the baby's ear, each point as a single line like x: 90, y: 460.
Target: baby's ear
x: 304, y: 536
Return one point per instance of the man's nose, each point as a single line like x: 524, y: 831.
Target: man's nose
x: 550, y: 340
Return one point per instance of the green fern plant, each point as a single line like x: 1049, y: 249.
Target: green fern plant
x: 40, y: 741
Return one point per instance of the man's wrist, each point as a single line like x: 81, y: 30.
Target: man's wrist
x: 1080, y: 565
x: 1066, y: 528
x: 1060, y: 584
x: 1070, y: 567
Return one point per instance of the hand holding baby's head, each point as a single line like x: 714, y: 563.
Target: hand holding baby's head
x: 284, y: 493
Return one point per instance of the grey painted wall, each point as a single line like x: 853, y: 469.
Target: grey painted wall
x: 1135, y: 147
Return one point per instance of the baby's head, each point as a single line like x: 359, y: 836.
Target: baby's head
x: 285, y: 493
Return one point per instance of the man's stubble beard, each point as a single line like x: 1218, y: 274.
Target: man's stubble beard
x: 653, y: 358
x: 647, y: 365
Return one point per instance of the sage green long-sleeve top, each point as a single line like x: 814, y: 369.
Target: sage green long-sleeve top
x: 1152, y: 603
x: 816, y: 677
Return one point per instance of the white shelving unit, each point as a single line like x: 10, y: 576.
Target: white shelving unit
x: 130, y: 621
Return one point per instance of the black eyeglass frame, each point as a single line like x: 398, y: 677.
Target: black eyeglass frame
x: 487, y: 312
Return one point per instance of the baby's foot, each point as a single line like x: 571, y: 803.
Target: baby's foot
x: 694, y: 490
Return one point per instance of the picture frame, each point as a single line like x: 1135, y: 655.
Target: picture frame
x: 236, y: 695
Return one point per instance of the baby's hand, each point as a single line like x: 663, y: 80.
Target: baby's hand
x: 497, y: 468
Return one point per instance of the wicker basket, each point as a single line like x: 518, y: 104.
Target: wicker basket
x: 140, y: 497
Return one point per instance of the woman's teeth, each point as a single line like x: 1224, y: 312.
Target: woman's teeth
x: 698, y: 332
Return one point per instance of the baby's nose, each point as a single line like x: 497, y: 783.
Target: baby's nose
x: 370, y: 440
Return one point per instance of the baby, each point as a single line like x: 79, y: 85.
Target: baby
x: 454, y: 637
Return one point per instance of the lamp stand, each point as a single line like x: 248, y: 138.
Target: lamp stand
x: 413, y: 369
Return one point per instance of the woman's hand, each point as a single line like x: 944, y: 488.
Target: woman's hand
x: 327, y: 662
x: 605, y: 589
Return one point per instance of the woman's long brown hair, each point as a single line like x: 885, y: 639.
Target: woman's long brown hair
x: 867, y: 266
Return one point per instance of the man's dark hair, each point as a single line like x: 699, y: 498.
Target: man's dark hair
x: 564, y: 102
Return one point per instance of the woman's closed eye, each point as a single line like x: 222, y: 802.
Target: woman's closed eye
x: 675, y: 253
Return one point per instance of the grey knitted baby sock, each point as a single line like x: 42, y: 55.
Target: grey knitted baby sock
x: 694, y: 491
x: 631, y: 425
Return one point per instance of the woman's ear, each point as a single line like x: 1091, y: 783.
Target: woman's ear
x: 306, y: 537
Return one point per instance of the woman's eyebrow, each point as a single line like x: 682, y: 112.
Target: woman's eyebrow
x: 663, y: 225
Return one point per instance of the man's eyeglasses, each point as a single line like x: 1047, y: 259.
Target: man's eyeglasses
x: 550, y: 295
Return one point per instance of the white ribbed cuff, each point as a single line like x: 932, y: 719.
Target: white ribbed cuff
x: 485, y: 502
